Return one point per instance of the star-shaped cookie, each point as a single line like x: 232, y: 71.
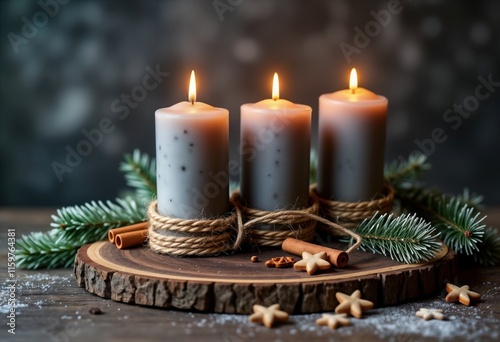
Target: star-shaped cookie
x: 352, y: 304
x: 311, y: 263
x: 268, y: 316
x: 333, y: 321
x: 461, y: 294
x: 428, y: 314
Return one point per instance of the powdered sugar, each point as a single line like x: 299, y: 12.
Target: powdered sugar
x: 398, y: 323
x: 33, y: 284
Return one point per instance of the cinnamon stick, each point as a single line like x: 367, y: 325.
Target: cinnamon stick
x: 131, y: 239
x: 135, y: 227
x: 336, y: 257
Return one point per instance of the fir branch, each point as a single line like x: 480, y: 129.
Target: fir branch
x: 140, y: 174
x: 471, y: 199
x: 45, y: 250
x: 74, y: 227
x: 459, y: 223
x: 98, y: 215
x: 489, y: 249
x: 407, y: 173
x: 406, y: 238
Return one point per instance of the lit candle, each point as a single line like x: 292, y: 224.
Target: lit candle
x: 275, y: 147
x: 351, y: 136
x: 192, y: 142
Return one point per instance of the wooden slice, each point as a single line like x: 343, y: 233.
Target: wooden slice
x: 233, y: 284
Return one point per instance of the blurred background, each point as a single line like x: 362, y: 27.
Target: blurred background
x: 67, y: 67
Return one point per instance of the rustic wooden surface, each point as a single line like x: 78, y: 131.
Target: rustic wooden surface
x: 52, y: 307
x: 233, y: 284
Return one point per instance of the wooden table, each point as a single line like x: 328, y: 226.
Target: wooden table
x: 53, y: 308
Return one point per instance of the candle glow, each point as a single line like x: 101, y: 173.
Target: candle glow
x: 353, y: 82
x: 192, y: 88
x: 276, y: 87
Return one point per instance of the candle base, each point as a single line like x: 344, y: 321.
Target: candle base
x: 192, y: 237
x: 351, y: 214
x: 271, y: 228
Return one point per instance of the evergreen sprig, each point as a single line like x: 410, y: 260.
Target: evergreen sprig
x: 456, y: 217
x: 97, y: 215
x: 45, y: 250
x: 471, y: 199
x: 140, y: 174
x: 74, y: 227
x: 489, y: 249
x: 405, y: 238
x: 404, y: 174
x: 459, y: 224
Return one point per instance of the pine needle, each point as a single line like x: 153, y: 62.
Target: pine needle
x: 459, y: 224
x: 489, y: 248
x: 140, y: 174
x: 406, y: 238
x: 471, y: 199
x: 98, y: 215
x: 74, y: 227
x: 406, y: 173
x: 45, y: 250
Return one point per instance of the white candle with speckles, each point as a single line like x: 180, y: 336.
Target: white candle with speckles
x: 351, y: 144
x: 192, y: 151
x: 275, y: 148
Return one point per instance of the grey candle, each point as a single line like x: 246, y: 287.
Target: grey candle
x: 192, y: 141
x: 351, y: 143
x: 275, y: 147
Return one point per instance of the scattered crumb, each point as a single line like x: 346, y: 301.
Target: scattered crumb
x: 95, y: 311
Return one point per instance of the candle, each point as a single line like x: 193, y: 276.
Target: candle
x: 351, y: 144
x: 192, y: 151
x: 275, y: 147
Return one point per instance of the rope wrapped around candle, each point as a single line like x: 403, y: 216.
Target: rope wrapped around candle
x: 193, y: 237
x: 351, y: 214
x: 205, y: 237
x: 282, y: 224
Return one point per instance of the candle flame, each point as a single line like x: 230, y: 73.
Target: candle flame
x: 353, y: 82
x: 276, y: 87
x: 192, y: 88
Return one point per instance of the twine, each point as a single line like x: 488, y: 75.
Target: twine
x: 351, y: 214
x: 193, y: 237
x: 271, y: 228
x: 185, y: 237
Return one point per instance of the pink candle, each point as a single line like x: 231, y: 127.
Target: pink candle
x: 351, y: 143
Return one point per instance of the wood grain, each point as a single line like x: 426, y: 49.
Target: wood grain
x: 232, y: 283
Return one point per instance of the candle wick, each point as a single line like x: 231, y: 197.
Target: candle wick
x: 192, y: 101
x: 353, y: 90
